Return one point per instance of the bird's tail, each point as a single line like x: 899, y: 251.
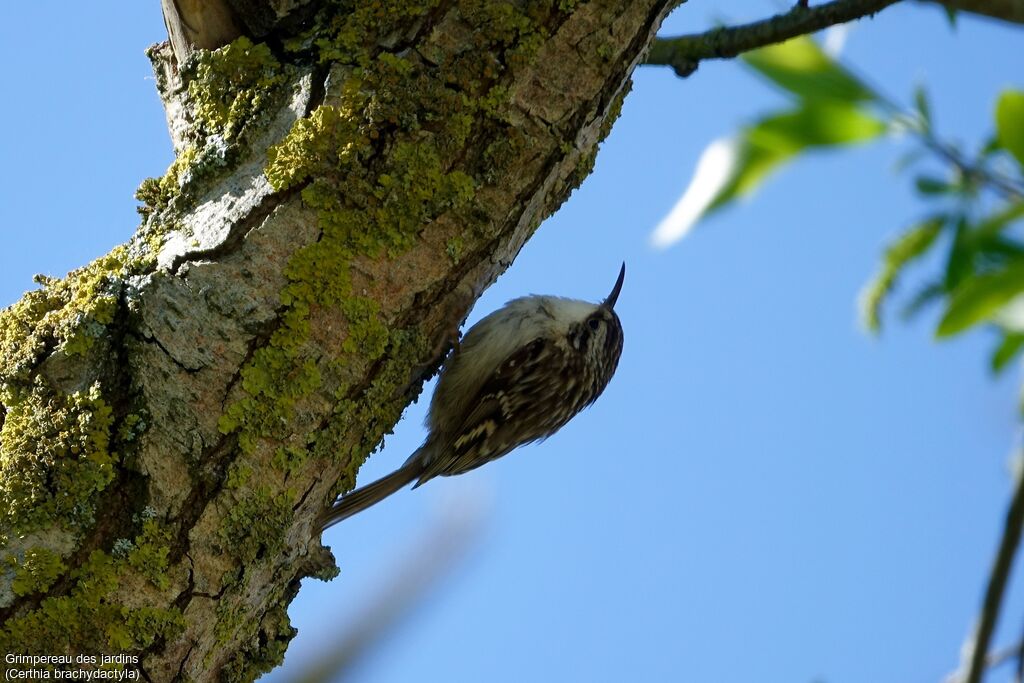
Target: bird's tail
x: 371, y: 494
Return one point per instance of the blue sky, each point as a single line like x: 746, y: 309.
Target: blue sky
x: 763, y: 492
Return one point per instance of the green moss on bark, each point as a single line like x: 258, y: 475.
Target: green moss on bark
x: 86, y: 619
x: 35, y: 571
x: 156, y: 194
x: 150, y: 552
x: 255, y: 526
x: 233, y: 85
x: 67, y: 313
x: 55, y: 458
x: 367, y: 204
x: 59, y: 454
x: 264, y: 652
x: 231, y: 90
x: 348, y: 34
x: 55, y: 447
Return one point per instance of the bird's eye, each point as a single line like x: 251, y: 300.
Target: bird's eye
x: 594, y: 323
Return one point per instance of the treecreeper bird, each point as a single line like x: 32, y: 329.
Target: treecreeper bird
x: 517, y: 376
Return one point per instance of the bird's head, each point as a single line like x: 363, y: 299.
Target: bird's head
x: 597, y: 333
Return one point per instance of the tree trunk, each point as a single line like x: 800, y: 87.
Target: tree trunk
x: 176, y: 413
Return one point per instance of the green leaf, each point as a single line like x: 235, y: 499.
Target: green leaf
x: 908, y: 247
x: 773, y: 140
x: 924, y: 109
x: 1007, y: 350
x: 816, y: 124
x: 997, y: 250
x: 928, y: 185
x: 951, y: 16
x: 990, y: 147
x: 979, y: 299
x: 960, y: 262
x: 801, y: 67
x: 983, y: 246
x: 1001, y: 219
x: 1010, y: 123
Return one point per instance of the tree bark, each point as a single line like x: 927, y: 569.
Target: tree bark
x: 174, y: 415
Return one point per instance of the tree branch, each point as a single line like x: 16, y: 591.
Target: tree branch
x: 684, y: 53
x: 997, y: 584
x: 341, y: 195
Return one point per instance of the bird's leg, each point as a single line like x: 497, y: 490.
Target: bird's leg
x: 452, y: 338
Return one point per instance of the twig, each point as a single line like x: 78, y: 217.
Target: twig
x: 1009, y: 188
x: 684, y: 53
x: 1003, y: 186
x: 997, y: 584
x: 992, y: 660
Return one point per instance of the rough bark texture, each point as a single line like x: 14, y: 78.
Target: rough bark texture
x: 176, y: 413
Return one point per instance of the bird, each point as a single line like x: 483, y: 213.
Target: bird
x: 517, y: 376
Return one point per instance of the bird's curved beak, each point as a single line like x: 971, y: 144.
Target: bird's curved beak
x: 610, y: 301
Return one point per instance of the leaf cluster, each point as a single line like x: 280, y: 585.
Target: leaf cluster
x: 972, y: 229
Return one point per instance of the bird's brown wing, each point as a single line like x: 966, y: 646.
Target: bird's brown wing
x: 481, y: 437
